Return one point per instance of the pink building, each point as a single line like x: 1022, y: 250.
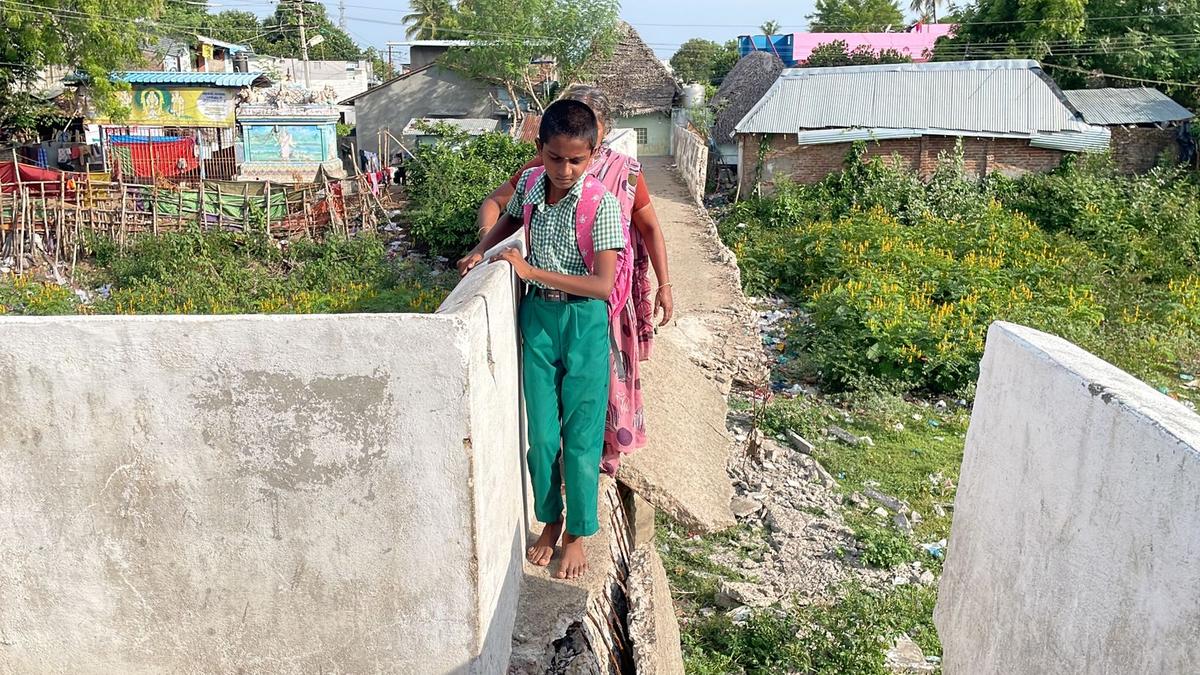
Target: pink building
x: 916, y: 44
x: 794, y: 49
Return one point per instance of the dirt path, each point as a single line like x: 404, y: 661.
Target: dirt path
x: 712, y: 318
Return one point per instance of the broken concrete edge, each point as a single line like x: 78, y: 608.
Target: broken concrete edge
x: 551, y: 610
x: 653, y: 625
x: 668, y: 504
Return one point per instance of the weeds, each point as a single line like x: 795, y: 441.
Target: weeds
x: 848, y: 637
x: 194, y: 272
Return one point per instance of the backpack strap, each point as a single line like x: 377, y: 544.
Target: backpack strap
x: 531, y: 178
x: 585, y: 218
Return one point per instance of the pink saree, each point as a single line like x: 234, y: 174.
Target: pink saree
x: 632, y: 330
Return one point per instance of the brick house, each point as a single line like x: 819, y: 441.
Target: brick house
x: 1010, y: 116
x: 1145, y: 124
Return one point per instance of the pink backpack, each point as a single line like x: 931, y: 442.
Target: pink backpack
x: 585, y: 219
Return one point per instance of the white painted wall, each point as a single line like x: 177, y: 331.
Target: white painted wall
x: 691, y: 157
x: 1075, y: 546
x: 284, y: 494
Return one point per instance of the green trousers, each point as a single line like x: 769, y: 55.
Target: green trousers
x: 565, y: 348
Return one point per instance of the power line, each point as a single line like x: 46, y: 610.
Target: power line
x: 1096, y: 73
x: 27, y: 8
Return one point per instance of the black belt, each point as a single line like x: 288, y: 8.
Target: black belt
x: 554, y: 295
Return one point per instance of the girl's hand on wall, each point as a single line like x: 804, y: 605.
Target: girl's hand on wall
x: 468, y: 262
x: 665, y: 303
x: 513, y: 256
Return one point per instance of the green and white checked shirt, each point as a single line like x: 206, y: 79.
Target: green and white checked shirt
x: 554, y: 245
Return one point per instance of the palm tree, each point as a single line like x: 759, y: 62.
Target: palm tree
x: 770, y: 28
x: 926, y: 9
x: 426, y: 17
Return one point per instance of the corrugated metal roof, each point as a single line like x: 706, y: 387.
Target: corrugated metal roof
x: 1090, y: 139
x: 192, y: 78
x: 963, y: 98
x: 1139, y: 105
x: 828, y: 136
x: 473, y: 126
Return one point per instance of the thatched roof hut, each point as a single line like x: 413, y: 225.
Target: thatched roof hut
x: 634, y: 79
x: 745, y: 84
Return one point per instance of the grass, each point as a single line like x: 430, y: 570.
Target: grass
x: 196, y: 272
x: 695, y: 577
x: 916, y: 460
x: 848, y: 637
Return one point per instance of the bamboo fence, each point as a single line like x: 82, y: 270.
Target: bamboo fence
x: 52, y: 219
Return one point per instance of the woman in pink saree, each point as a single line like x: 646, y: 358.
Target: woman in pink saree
x: 634, y: 315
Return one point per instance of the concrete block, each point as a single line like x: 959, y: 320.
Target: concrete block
x: 1074, y: 546
x: 285, y: 494
x: 682, y: 468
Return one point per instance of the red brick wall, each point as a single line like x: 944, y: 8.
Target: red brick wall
x: 811, y: 163
x: 1138, y: 150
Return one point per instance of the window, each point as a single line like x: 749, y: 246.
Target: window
x: 643, y: 135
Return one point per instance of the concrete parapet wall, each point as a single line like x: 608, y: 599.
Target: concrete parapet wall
x: 285, y: 494
x: 691, y: 156
x: 1075, y: 542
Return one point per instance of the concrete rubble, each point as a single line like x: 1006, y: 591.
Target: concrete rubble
x: 906, y: 657
x: 808, y: 548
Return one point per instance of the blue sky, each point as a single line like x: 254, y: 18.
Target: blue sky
x: 665, y: 24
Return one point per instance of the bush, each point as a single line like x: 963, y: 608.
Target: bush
x: 447, y: 181
x: 902, y: 278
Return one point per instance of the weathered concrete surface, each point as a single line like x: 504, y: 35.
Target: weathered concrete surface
x: 551, y: 608
x: 682, y: 468
x: 653, y: 626
x: 691, y: 156
x: 286, y: 494
x: 1075, y: 542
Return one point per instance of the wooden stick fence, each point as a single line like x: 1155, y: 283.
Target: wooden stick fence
x: 53, y: 218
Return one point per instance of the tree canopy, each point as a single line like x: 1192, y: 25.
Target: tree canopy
x: 1108, y: 40
x: 430, y: 19
x: 57, y: 33
x: 704, y: 61
x: 512, y: 34
x: 855, y: 16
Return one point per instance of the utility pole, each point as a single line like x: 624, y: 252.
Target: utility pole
x: 342, y: 14
x: 303, y: 40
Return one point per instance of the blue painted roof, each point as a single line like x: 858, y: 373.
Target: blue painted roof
x: 191, y: 78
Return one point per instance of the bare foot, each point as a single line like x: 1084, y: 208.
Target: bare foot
x: 574, y: 560
x: 543, y: 549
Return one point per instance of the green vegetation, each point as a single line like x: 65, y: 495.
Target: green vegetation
x: 902, y: 278
x: 838, y: 53
x: 574, y: 35
x: 688, y: 559
x: 228, y: 273
x: 447, y: 181
x: 845, y: 638
x: 1080, y: 41
x: 898, y: 280
x: 704, y: 61
x: 854, y: 16
x: 914, y: 454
